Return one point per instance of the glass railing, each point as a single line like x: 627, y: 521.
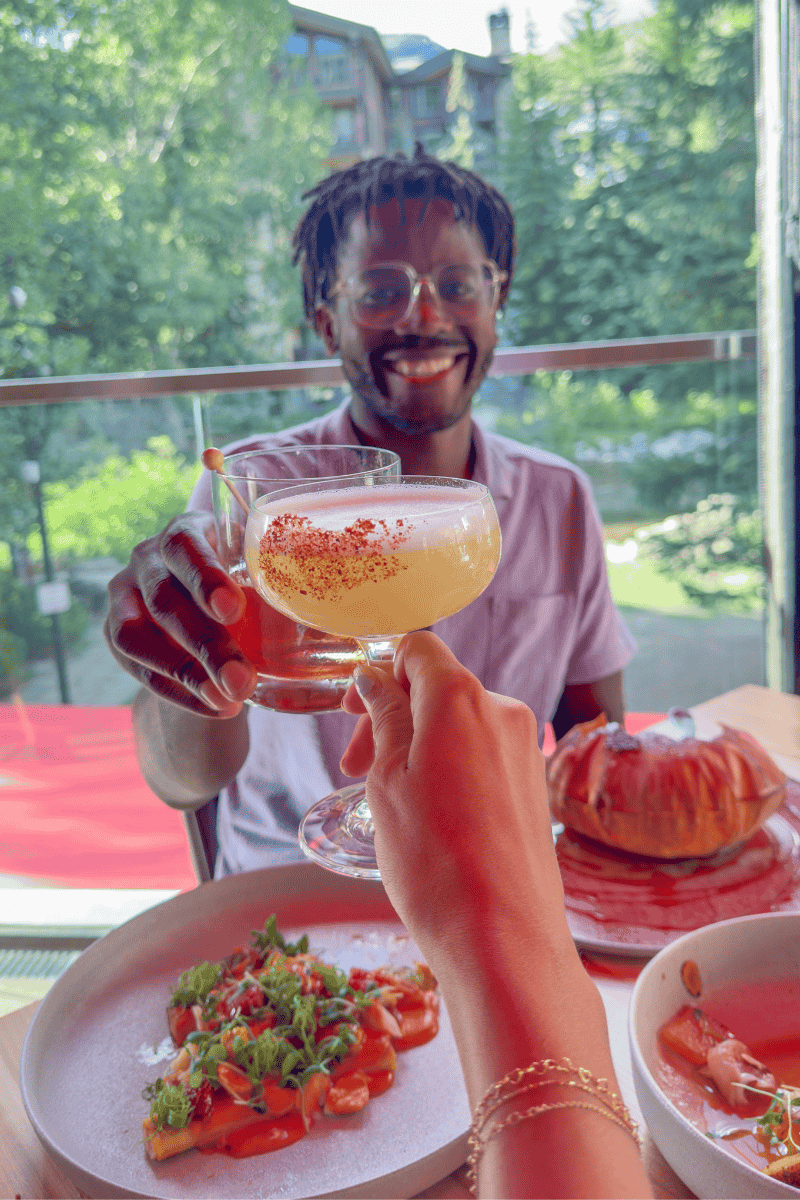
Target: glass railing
x: 666, y: 429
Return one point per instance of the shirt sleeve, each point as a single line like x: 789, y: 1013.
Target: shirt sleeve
x: 602, y: 644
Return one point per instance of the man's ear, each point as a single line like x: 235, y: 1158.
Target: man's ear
x: 326, y: 327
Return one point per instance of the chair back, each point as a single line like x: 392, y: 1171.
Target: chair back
x: 201, y: 830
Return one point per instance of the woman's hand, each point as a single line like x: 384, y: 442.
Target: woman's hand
x: 456, y: 787
x: 166, y: 623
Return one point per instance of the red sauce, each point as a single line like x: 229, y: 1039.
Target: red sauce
x: 614, y: 889
x: 766, y: 1017
x: 273, y: 1133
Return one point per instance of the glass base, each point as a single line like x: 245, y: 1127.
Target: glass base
x: 337, y: 834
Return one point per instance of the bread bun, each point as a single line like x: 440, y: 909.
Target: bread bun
x: 650, y: 795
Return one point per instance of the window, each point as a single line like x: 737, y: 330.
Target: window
x: 343, y: 126
x: 429, y: 99
x: 297, y: 44
x: 332, y: 61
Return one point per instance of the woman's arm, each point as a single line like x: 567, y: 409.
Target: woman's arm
x: 462, y: 829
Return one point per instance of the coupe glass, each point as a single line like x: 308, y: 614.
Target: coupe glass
x: 369, y: 559
x: 300, y: 669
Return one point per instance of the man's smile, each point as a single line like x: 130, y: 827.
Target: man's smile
x: 422, y: 365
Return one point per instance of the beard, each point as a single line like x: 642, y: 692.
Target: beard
x: 366, y: 381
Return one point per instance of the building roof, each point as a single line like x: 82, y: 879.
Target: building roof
x: 441, y: 63
x: 349, y: 31
x: 407, y: 50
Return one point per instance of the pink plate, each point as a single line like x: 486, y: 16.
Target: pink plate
x: 623, y: 904
x: 100, y: 1036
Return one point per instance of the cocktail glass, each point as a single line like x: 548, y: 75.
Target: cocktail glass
x: 300, y: 668
x: 369, y: 560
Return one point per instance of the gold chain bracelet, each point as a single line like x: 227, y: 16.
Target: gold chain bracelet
x: 545, y: 1073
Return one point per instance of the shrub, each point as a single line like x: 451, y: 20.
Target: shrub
x: 20, y: 617
x: 715, y: 553
x: 121, y: 504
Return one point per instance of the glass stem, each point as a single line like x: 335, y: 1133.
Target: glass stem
x: 380, y: 652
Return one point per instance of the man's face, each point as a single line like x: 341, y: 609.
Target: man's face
x: 420, y: 375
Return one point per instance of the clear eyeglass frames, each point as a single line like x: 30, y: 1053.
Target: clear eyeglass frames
x: 383, y: 295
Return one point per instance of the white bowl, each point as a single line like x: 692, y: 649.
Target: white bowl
x: 746, y: 949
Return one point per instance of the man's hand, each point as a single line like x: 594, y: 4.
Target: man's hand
x: 166, y: 623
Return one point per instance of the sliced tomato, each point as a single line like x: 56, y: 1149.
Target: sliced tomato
x: 379, y: 1081
x: 257, y: 1025
x: 417, y: 1025
x: 691, y: 1033
x: 180, y: 1019
x: 316, y: 1089
x: 279, y: 1100
x: 374, y: 1054
x: 347, y: 1095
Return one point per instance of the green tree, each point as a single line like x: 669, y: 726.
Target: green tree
x: 149, y: 183
x: 151, y: 179
x: 109, y: 511
x: 630, y: 160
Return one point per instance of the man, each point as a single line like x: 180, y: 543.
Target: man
x: 388, y: 249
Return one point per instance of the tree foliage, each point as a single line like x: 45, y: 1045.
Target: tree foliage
x: 630, y: 163
x: 151, y: 180
x: 118, y: 505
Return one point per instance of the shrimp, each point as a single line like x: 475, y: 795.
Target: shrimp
x: 732, y: 1066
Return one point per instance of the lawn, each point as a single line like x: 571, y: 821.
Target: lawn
x: 638, y: 584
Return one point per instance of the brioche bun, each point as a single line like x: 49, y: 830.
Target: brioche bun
x: 649, y: 795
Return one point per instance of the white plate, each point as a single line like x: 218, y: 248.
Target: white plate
x: 748, y: 949
x: 83, y: 1062
x: 620, y: 904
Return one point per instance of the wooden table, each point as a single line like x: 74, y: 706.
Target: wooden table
x: 26, y: 1170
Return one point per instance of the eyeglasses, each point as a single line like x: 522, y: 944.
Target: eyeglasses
x: 384, y: 295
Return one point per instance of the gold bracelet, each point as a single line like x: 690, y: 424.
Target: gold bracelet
x: 478, y: 1146
x: 549, y: 1071
x: 545, y: 1073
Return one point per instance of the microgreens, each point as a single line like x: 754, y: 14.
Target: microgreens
x: 271, y: 939
x: 171, y: 1106
x: 195, y: 984
x: 780, y: 1110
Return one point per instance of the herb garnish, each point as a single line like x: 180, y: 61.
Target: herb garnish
x: 195, y: 984
x: 271, y: 939
x: 171, y: 1106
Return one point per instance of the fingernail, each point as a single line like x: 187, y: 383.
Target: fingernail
x: 224, y: 605
x: 236, y: 678
x: 367, y: 685
x: 211, y: 696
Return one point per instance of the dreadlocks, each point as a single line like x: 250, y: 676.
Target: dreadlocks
x: 368, y: 184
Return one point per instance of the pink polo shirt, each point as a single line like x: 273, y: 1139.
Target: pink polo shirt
x: 546, y: 620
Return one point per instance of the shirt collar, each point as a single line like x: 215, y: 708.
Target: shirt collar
x: 492, y: 465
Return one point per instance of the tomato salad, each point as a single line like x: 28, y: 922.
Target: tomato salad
x: 271, y: 1038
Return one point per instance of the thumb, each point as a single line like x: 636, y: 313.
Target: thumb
x: 389, y: 709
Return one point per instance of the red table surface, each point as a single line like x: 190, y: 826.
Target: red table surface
x: 76, y: 811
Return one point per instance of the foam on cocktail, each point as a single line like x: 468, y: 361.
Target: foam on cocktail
x: 373, y: 561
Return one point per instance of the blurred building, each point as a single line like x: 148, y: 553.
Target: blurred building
x: 387, y: 93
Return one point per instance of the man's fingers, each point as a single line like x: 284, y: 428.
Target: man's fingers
x: 185, y: 549
x: 186, y: 646
x: 198, y: 695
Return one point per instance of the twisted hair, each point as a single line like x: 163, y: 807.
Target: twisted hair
x: 336, y: 199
